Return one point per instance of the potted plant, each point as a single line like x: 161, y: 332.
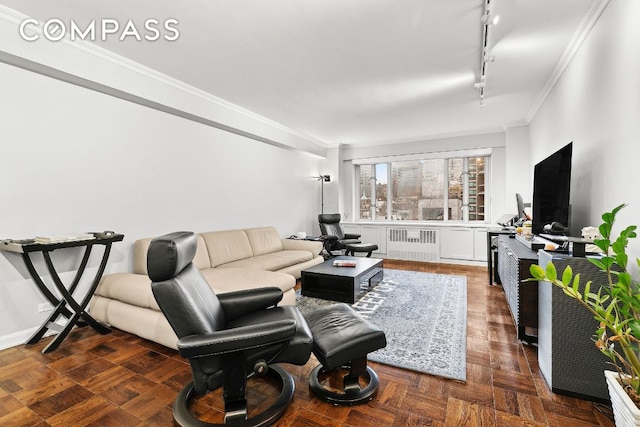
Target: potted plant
x: 616, y: 307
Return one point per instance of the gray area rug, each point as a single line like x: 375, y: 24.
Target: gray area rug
x: 424, y: 317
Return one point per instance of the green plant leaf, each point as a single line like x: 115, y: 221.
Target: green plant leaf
x: 630, y: 232
x: 635, y: 328
x: 619, y: 246
x: 617, y: 209
x: 576, y: 287
x: 605, y: 230
x: 587, y: 288
x: 567, y: 275
x: 606, y: 262
x: 624, y: 279
x: 537, y: 272
x: 608, y: 218
x: 621, y: 260
x: 551, y: 272
x: 603, y: 244
x: 597, y: 263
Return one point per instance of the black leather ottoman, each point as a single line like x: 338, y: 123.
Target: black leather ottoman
x: 352, y: 248
x: 342, y: 338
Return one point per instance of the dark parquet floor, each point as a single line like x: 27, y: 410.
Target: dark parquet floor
x: 122, y: 380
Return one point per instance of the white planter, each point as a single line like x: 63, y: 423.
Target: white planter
x: 625, y: 412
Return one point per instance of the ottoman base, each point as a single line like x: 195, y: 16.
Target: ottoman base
x: 353, y: 393
x: 352, y: 248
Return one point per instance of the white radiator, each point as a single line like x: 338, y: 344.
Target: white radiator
x: 413, y: 244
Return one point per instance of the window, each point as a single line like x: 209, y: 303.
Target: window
x: 428, y: 189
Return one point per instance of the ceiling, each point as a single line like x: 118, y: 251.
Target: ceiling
x: 357, y: 72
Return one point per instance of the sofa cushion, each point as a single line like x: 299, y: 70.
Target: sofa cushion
x: 272, y: 262
x: 134, y: 289
x: 227, y: 246
x: 232, y: 279
x: 264, y: 240
x: 141, y: 247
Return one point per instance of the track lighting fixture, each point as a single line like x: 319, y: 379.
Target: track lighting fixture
x: 488, y: 19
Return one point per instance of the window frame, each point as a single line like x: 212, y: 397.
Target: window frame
x: 466, y: 155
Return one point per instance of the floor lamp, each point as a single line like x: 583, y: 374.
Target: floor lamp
x: 323, y: 179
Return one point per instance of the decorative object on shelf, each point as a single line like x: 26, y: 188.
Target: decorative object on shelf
x: 616, y: 306
x: 591, y: 233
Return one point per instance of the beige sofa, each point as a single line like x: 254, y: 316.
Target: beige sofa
x: 230, y: 260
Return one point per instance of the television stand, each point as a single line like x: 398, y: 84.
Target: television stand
x: 514, y: 261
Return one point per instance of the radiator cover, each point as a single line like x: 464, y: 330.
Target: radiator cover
x: 413, y: 244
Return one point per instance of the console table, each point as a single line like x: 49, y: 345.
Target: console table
x: 68, y: 305
x: 514, y: 261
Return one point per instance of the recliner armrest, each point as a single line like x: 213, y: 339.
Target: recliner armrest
x: 236, y: 339
x: 329, y: 238
x: 238, y: 303
x: 351, y: 236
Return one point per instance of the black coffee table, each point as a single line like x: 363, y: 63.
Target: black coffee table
x: 344, y: 284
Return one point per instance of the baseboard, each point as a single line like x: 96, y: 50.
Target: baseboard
x: 19, y: 338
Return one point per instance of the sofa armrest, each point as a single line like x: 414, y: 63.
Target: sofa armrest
x: 315, y: 247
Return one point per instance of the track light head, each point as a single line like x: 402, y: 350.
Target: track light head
x: 490, y: 19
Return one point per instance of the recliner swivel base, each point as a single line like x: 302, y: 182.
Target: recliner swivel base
x: 185, y: 418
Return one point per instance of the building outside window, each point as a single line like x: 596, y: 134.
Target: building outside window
x: 430, y: 189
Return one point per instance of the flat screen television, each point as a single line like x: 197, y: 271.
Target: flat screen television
x: 551, y: 188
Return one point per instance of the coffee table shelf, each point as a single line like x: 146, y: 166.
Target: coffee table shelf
x: 344, y: 284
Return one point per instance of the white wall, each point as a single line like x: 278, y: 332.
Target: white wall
x: 330, y: 166
x: 596, y: 104
x: 76, y: 160
x: 517, y: 167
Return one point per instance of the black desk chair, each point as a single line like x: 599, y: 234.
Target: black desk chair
x: 226, y: 337
x: 334, y: 237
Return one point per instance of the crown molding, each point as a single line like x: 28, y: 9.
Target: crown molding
x: 426, y: 138
x: 580, y: 35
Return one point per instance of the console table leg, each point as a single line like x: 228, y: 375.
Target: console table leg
x: 57, y: 340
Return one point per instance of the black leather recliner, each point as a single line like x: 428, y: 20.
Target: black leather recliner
x: 332, y: 234
x: 226, y: 337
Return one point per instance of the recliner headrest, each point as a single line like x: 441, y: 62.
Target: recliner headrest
x: 168, y: 255
x: 329, y: 218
